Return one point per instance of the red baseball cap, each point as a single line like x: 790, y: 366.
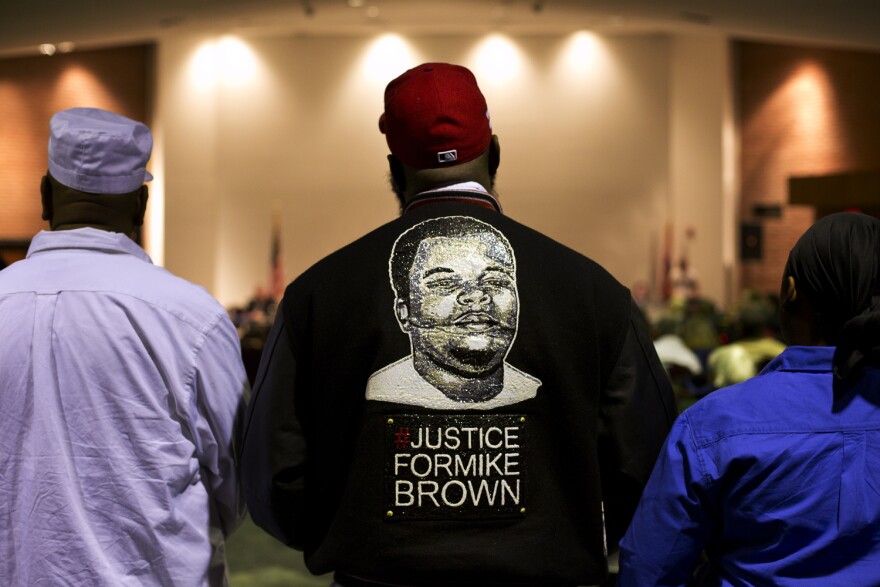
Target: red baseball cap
x: 435, y: 116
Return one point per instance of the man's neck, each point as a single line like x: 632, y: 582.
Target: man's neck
x: 72, y: 209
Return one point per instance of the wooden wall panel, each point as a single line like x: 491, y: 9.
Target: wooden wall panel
x: 804, y: 111
x: 32, y: 89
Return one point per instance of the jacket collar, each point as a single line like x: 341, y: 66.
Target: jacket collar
x: 803, y: 358
x: 468, y: 192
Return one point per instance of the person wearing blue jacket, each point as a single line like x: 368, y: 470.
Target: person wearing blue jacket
x: 776, y: 481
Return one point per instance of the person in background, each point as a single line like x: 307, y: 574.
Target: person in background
x: 777, y: 479
x: 453, y: 399
x: 682, y: 365
x: 120, y: 386
x: 756, y: 345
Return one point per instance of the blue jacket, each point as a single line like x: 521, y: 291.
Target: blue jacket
x: 776, y: 478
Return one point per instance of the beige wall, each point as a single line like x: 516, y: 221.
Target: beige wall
x: 702, y: 163
x: 590, y: 128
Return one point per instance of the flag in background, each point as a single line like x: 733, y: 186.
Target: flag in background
x: 276, y: 269
x: 666, y: 265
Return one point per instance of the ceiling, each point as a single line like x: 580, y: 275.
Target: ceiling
x: 100, y: 23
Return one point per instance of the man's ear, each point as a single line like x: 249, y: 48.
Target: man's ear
x: 494, y: 155
x: 402, y: 311
x: 46, y: 197
x: 141, y: 209
x: 397, y: 173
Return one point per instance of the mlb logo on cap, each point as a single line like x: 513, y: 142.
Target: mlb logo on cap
x: 447, y: 156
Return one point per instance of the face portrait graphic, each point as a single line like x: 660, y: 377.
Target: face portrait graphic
x: 462, y: 311
x: 456, y: 298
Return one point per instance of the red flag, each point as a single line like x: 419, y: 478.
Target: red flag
x: 276, y: 270
x: 666, y: 267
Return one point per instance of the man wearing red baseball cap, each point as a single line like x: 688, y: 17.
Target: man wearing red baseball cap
x: 453, y: 399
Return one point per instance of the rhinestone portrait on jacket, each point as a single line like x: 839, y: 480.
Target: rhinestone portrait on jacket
x: 454, y: 280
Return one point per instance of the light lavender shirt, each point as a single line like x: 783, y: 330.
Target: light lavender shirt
x: 119, y: 389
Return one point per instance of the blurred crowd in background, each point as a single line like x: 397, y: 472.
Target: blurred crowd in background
x: 253, y: 322
x: 704, y: 349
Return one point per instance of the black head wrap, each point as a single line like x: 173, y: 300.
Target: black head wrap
x: 836, y: 263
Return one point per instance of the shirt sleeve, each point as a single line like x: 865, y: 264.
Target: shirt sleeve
x: 637, y: 409
x: 274, y: 448
x: 221, y: 391
x: 674, y: 519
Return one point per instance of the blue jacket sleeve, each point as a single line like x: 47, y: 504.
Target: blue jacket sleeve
x: 674, y: 519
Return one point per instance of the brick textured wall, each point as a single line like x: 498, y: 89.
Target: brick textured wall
x: 803, y: 111
x: 34, y: 88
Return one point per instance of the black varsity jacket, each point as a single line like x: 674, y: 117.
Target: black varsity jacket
x: 454, y: 399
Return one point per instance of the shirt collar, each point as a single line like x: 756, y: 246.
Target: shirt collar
x: 803, y: 358
x: 469, y: 192
x: 91, y: 239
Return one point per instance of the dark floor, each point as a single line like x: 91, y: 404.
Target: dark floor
x: 258, y: 560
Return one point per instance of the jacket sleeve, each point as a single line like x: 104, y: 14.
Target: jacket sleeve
x: 274, y: 448
x: 673, y: 522
x: 637, y: 409
x: 221, y: 392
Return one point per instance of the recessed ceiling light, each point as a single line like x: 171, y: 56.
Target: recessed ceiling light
x: 373, y: 11
x: 66, y: 47
x: 47, y: 49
